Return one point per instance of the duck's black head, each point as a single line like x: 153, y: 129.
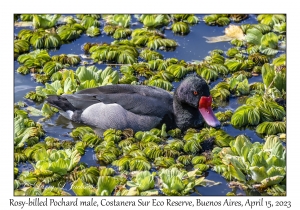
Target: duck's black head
x: 194, y: 96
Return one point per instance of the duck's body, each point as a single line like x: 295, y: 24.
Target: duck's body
x: 137, y: 107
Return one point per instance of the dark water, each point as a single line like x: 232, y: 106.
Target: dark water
x: 191, y: 47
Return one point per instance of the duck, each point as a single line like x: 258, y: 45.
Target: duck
x: 140, y: 107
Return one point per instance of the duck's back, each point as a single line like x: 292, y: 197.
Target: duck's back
x: 120, y: 106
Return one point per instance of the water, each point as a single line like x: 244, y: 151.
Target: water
x: 191, y: 47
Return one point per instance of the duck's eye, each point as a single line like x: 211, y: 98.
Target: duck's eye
x: 195, y: 93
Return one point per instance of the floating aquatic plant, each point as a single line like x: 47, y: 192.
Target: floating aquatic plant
x: 45, y: 21
x: 92, y: 77
x: 238, y: 17
x: 20, y: 47
x: 123, y: 54
x: 154, y: 21
x: 224, y: 116
x: 268, y: 43
x: 274, y: 77
x: 180, y: 28
x: 151, y: 39
x: 69, y: 59
x: 34, y: 59
x: 93, y: 31
x: 271, y: 19
x: 70, y: 32
x: 26, y: 131
x: 263, y: 164
x: 176, y: 182
x: 149, y: 55
x: 143, y: 181
x: 256, y: 110
x: 217, y: 19
x: 271, y: 128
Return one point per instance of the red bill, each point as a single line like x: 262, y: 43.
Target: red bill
x: 207, y: 112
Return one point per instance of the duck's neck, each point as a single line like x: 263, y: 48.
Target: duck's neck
x: 186, y: 116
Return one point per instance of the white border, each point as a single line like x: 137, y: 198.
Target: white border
x: 140, y: 7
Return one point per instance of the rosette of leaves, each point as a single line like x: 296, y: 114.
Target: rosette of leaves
x: 257, y: 110
x: 81, y: 16
x: 70, y: 59
x: 51, y: 165
x: 34, y: 59
x: 118, y: 20
x: 231, y: 52
x: 89, y: 21
x: 152, y: 21
x: 263, y: 28
x: 89, y: 175
x: 280, y: 27
x: 20, y: 47
x: 161, y: 83
x: 87, y: 136
x: 67, y: 85
x: 90, y: 77
x: 41, y: 39
x: 267, y: 43
x: 238, y: 17
x: 178, y: 70
x: 185, y: 159
x: 152, y: 39
x: 107, y: 152
x: 70, y: 32
x: 258, y: 58
x: 144, y: 182
x: 26, y: 17
x: 44, y: 21
x: 274, y: 76
x: 239, y: 85
x: 123, y: 54
x: 220, y: 137
x: 51, y: 67
x: 176, y: 182
x: 105, y: 186
x: 264, y: 164
x: 93, y: 31
x: 221, y: 91
x: 238, y: 64
x: 26, y: 131
x: 164, y: 162
x: 189, y: 18
x: 224, y: 116
x: 180, y: 28
x: 217, y: 19
x: 271, y: 128
x: 149, y: 55
x: 140, y: 69
x: 129, y: 163
x: 271, y: 19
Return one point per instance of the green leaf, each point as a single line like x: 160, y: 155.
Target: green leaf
x: 271, y: 128
x: 236, y: 173
x: 245, y: 115
x: 270, y: 40
x: 106, y: 185
x: 180, y: 28
x: 258, y: 173
x: 93, y: 31
x: 82, y: 189
x: 253, y: 36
